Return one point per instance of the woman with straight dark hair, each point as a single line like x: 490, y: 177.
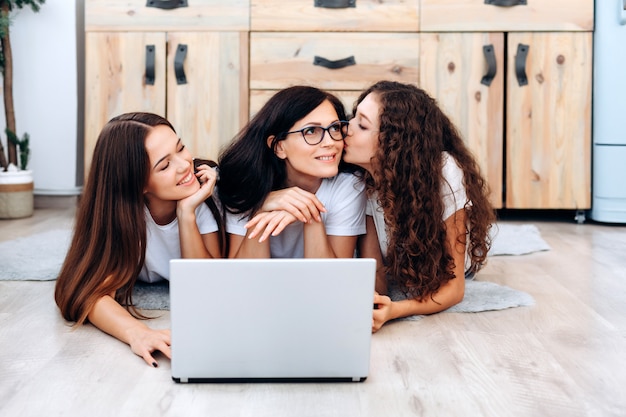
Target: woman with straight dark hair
x: 280, y: 181
x: 428, y: 209
x: 142, y: 205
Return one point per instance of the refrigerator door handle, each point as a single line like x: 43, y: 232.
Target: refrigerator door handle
x: 621, y: 7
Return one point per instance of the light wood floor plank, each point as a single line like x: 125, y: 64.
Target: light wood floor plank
x: 563, y: 356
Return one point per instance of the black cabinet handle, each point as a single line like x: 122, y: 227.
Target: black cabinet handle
x: 335, y: 4
x: 179, y: 60
x: 150, y: 64
x: 490, y: 57
x: 506, y: 3
x: 520, y: 64
x: 340, y: 63
x: 166, y: 4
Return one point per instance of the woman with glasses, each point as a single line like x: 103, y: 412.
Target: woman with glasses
x: 143, y: 204
x: 280, y: 181
x: 428, y: 208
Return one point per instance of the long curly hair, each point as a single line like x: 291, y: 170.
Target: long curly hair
x: 407, y: 178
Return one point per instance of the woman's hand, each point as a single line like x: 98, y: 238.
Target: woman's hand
x: 110, y: 317
x: 207, y: 177
x: 302, y: 205
x: 269, y: 224
x: 382, y: 311
x: 144, y: 341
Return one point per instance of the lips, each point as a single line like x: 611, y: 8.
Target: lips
x: 326, y: 158
x: 187, y: 179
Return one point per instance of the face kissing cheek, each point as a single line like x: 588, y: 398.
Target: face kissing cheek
x: 362, y: 141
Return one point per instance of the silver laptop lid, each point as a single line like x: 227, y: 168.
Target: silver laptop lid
x: 271, y: 319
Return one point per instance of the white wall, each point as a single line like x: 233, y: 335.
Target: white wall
x: 45, y: 90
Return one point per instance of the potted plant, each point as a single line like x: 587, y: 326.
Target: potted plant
x: 16, y: 181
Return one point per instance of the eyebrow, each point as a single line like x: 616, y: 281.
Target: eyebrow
x: 166, y: 156
x: 360, y: 113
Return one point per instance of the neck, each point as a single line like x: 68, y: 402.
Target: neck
x: 162, y: 212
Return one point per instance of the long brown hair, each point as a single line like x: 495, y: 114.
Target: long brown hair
x: 108, y: 246
x: 407, y: 178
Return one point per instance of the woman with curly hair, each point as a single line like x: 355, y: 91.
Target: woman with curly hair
x: 428, y: 209
x: 142, y: 206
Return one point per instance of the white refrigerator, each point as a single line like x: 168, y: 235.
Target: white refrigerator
x: 609, y: 113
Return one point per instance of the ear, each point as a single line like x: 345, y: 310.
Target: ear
x: 280, y: 150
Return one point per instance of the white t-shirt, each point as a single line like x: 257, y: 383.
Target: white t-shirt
x: 452, y: 192
x: 344, y: 199
x: 163, y: 243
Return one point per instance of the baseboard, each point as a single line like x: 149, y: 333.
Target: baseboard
x: 55, y: 201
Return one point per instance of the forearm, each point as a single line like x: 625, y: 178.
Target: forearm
x: 110, y: 317
x: 316, y: 244
x: 191, y: 243
x: 449, y: 295
x: 242, y: 247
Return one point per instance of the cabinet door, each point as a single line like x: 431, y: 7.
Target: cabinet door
x: 212, y: 105
x: 548, y: 123
x: 115, y: 79
x: 452, y: 68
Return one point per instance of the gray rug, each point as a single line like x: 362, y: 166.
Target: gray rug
x: 39, y: 258
x: 512, y: 239
x: 483, y: 296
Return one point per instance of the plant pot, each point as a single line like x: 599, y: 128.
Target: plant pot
x: 16, y: 194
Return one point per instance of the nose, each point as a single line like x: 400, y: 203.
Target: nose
x: 182, y: 164
x: 351, y: 123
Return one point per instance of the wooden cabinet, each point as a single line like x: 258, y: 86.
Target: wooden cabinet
x: 342, y: 49
x: 334, y: 15
x: 522, y: 98
x: 548, y: 121
x: 506, y: 15
x: 189, y: 64
x: 452, y: 68
x: 532, y: 139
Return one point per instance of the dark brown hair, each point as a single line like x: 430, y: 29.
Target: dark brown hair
x: 108, y: 246
x: 249, y: 169
x: 407, y: 178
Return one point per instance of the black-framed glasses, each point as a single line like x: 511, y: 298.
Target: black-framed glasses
x: 315, y: 134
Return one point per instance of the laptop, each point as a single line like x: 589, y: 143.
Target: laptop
x: 263, y: 320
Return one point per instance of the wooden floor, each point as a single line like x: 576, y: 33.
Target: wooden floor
x: 564, y: 356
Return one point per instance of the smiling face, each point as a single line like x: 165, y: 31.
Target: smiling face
x: 308, y: 164
x: 362, y: 140
x: 171, y: 175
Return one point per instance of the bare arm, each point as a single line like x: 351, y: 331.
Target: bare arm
x: 303, y: 205
x: 369, y: 247
x: 448, y: 295
x: 243, y: 247
x: 319, y: 245
x: 110, y: 317
x: 192, y: 243
x: 283, y: 207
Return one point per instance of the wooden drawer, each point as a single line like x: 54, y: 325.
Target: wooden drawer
x: 135, y: 15
x: 536, y: 15
x: 278, y: 60
x: 364, y: 15
x: 259, y: 97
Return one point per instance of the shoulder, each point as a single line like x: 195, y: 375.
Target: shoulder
x: 450, y: 169
x: 344, y: 180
